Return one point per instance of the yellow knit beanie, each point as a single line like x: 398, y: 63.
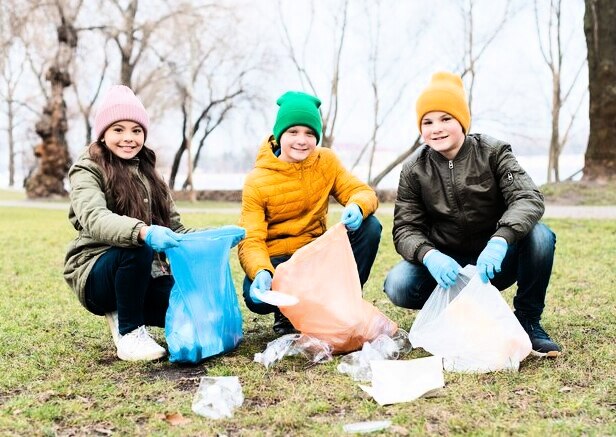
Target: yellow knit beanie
x: 445, y: 93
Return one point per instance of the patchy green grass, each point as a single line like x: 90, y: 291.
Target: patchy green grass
x: 580, y: 193
x: 59, y: 374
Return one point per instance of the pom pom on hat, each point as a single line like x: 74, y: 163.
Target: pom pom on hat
x: 445, y: 93
x: 297, y: 109
x: 120, y: 103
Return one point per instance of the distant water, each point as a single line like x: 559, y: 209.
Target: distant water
x: 535, y: 166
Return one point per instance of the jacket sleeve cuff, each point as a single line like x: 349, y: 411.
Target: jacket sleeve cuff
x: 135, y: 234
x: 506, y: 233
x: 421, y: 252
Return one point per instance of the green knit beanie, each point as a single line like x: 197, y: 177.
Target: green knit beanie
x: 297, y: 109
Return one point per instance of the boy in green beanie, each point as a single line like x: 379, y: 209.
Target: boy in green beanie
x: 464, y: 199
x: 285, y: 201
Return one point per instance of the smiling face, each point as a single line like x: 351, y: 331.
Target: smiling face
x: 124, y: 138
x: 297, y: 143
x: 443, y: 133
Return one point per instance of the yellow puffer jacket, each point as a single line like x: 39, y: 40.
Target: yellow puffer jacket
x: 284, y: 205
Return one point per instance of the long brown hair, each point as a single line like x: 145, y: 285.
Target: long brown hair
x: 127, y: 191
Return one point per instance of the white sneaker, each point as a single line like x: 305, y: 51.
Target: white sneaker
x: 138, y: 345
x: 114, y: 327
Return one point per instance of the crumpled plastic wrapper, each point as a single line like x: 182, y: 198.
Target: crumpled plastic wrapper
x: 357, y: 364
x: 313, y: 349
x: 218, y: 396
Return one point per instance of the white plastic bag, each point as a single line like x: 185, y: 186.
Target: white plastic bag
x: 471, y: 326
x: 218, y: 396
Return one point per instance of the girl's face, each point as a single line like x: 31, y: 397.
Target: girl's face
x: 443, y: 133
x: 297, y: 143
x: 124, y: 138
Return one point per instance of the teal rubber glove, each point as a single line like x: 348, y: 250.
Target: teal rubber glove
x: 262, y: 282
x: 491, y: 258
x: 352, y: 217
x: 444, y: 269
x: 161, y: 238
x: 239, y: 237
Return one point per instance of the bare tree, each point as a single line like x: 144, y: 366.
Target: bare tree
x: 86, y: 105
x: 474, y: 48
x: 553, y: 52
x: 10, y: 78
x: 137, y: 34
x: 297, y: 56
x: 380, y: 72
x: 211, y: 82
x: 600, y: 158
x: 53, y: 155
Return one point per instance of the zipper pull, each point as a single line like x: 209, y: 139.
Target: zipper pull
x: 451, y: 165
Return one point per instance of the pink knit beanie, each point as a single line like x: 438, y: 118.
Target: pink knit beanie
x: 120, y: 103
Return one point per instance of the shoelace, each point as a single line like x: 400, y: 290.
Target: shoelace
x: 142, y: 333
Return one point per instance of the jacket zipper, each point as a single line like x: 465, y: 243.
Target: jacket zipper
x: 455, y: 193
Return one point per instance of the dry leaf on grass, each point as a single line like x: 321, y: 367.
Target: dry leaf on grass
x: 174, y: 419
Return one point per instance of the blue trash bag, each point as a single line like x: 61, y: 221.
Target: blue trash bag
x: 203, y: 318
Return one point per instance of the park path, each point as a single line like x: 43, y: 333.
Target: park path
x: 551, y: 211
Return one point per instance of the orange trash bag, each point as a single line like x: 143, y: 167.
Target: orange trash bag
x: 323, y: 276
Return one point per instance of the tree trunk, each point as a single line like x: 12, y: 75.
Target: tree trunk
x: 54, y: 161
x: 11, y: 128
x: 600, y: 158
x: 553, y: 173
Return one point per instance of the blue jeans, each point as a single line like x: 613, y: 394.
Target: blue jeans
x: 527, y: 262
x: 365, y: 244
x: 121, y: 280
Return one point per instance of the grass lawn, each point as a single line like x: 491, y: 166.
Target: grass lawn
x: 59, y: 374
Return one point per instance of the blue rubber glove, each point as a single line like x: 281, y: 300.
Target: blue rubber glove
x: 352, y: 217
x: 161, y: 238
x: 491, y: 258
x: 239, y: 237
x: 262, y: 282
x: 443, y: 268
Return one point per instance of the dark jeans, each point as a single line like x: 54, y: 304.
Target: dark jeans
x: 527, y: 262
x: 121, y: 280
x: 365, y: 244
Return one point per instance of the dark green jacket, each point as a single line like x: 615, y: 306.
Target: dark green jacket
x: 457, y: 205
x: 99, y: 228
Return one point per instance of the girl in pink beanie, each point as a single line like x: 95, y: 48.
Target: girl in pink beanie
x: 125, y: 219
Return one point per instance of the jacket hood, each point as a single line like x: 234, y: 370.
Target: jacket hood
x: 267, y: 160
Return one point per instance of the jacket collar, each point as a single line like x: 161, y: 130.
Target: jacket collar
x: 267, y: 159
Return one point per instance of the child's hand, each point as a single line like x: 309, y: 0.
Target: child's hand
x: 444, y: 269
x: 491, y: 258
x: 352, y: 217
x: 262, y: 282
x: 161, y: 238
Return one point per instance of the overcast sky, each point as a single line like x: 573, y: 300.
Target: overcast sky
x: 512, y: 94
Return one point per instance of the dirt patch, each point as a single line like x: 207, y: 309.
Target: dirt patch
x: 186, y: 378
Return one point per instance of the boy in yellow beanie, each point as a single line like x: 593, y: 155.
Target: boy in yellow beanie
x: 464, y: 199
x: 286, y: 197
